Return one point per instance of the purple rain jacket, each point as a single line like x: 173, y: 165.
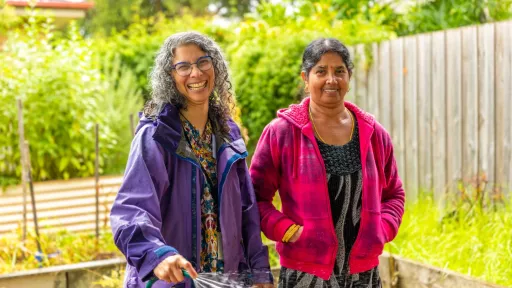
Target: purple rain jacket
x: 156, y: 213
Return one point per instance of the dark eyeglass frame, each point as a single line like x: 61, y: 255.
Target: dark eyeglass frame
x: 173, y: 67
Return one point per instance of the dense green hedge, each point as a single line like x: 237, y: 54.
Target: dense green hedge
x: 66, y: 89
x: 266, y: 56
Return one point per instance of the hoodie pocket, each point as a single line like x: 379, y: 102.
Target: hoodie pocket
x: 313, y: 246
x: 371, y: 238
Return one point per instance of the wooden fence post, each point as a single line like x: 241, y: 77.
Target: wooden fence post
x: 21, y: 133
x: 32, y: 196
x: 97, y: 185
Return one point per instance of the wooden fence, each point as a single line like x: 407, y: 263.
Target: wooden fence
x: 445, y: 98
x: 60, y: 204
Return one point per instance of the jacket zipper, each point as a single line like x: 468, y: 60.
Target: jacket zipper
x: 333, y: 233
x: 198, y: 231
x: 234, y: 159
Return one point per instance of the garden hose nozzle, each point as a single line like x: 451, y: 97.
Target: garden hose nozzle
x: 154, y: 279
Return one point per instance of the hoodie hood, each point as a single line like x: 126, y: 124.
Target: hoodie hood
x: 298, y: 115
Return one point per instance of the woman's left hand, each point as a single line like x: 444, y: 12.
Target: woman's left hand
x: 263, y: 285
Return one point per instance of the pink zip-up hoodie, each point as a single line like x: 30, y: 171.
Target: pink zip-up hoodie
x: 287, y: 159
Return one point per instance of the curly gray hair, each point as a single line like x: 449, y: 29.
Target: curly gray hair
x: 163, y: 87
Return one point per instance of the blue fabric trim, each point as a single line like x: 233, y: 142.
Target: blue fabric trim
x: 222, y: 148
x: 194, y: 219
x: 164, y: 250
x: 232, y: 160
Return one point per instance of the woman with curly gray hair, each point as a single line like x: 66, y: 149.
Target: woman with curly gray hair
x: 187, y: 201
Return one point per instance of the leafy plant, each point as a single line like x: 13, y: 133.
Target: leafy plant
x: 472, y: 241
x: 59, y: 248
x: 266, y: 55
x: 60, y: 87
x: 123, y: 99
x: 8, y: 19
x: 114, y: 280
x: 427, y: 16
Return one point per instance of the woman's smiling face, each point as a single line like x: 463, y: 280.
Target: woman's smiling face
x: 328, y: 81
x: 198, y: 86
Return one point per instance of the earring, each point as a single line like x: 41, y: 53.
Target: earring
x: 306, y: 89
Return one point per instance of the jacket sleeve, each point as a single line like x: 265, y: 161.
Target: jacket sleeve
x: 257, y: 253
x: 265, y: 174
x: 393, y: 195
x: 135, y: 216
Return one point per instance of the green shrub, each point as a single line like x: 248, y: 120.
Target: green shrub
x: 59, y: 248
x: 266, y: 56
x: 64, y: 93
x: 122, y: 100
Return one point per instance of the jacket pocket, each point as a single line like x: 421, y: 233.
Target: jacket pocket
x: 371, y: 238
x: 315, y: 245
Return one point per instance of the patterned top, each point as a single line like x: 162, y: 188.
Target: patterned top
x: 344, y: 182
x: 211, y: 243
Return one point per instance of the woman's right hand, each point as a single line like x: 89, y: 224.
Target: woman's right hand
x: 169, y: 270
x: 297, y: 234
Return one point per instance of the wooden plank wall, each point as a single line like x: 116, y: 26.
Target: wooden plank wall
x: 60, y: 204
x: 445, y: 98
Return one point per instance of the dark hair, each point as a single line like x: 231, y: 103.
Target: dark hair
x: 163, y: 87
x: 319, y: 47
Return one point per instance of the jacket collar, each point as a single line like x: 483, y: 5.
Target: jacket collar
x: 298, y: 115
x: 169, y: 133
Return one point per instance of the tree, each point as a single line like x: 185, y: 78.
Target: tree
x: 109, y: 16
x: 444, y: 14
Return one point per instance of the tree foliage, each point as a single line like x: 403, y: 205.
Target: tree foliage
x: 266, y: 54
x: 444, y: 14
x: 111, y: 16
x: 65, y: 92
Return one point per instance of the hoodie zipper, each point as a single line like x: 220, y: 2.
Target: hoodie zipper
x: 333, y: 233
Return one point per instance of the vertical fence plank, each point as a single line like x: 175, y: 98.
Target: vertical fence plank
x: 361, y: 77
x: 21, y: 143
x: 351, y: 95
x: 373, y: 82
x: 486, y: 112
x: 469, y: 105
x: 384, y: 85
x: 397, y: 105
x: 425, y: 107
x: 454, y: 108
x: 503, y: 105
x: 411, y: 116
x: 97, y: 180
x: 439, y: 157
x: 508, y: 104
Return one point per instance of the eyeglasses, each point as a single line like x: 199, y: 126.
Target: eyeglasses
x: 204, y: 63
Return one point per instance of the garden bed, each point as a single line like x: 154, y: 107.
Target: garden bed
x: 395, y: 272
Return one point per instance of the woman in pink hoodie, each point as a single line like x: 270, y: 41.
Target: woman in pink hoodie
x: 334, y: 168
